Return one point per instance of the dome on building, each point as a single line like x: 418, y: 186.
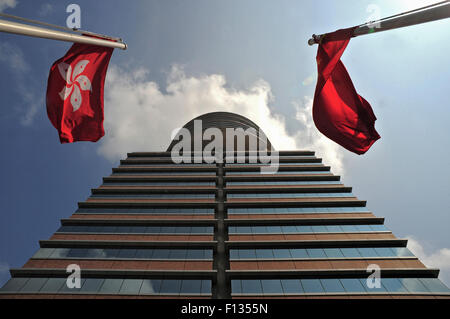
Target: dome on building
x: 222, y: 121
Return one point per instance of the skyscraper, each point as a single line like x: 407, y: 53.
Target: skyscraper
x: 157, y: 229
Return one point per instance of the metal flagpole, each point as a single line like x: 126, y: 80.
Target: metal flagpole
x: 437, y: 11
x: 54, y: 26
x: 33, y: 31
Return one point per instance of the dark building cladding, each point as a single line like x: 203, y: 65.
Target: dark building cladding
x: 155, y: 229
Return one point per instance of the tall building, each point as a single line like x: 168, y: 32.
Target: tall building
x: 155, y: 229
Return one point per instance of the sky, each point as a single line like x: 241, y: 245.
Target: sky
x: 186, y: 58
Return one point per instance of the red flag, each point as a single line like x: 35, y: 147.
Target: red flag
x: 338, y: 111
x: 75, y: 93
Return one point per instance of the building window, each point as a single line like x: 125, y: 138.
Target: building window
x: 124, y: 253
x: 228, y: 173
x: 238, y: 183
x: 161, y: 196
x: 163, y: 173
x: 320, y: 253
x: 187, y: 230
x: 287, y: 195
x: 304, y: 229
x: 187, y: 183
x: 336, y: 286
x: 295, y: 210
x: 110, y: 286
x: 156, y: 211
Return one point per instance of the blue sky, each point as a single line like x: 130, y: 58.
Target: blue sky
x: 186, y: 58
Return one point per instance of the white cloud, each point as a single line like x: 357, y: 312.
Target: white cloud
x: 45, y: 9
x: 310, y: 79
x: 140, y: 117
x: 32, y: 102
x: 437, y: 259
x: 12, y: 56
x: 308, y: 137
x: 4, y: 4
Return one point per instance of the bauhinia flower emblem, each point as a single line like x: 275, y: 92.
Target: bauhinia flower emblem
x: 75, y: 82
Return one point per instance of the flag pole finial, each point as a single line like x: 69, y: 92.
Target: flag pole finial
x: 315, y: 39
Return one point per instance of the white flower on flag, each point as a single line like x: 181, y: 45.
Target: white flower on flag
x: 75, y: 82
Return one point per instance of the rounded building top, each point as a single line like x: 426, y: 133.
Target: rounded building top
x: 222, y: 121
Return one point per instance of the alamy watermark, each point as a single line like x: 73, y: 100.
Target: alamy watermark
x: 73, y: 21
x: 73, y: 281
x: 374, y: 279
x: 207, y: 146
x: 374, y: 17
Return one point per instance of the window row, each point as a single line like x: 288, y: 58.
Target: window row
x: 294, y: 210
x: 277, y: 173
x: 164, y: 164
x: 231, y: 183
x: 309, y: 253
x: 166, y: 211
x: 148, y: 158
x: 345, y: 285
x: 314, y: 229
x: 286, y: 195
x: 281, y: 164
x: 162, y: 196
x: 261, y: 158
x: 109, y: 286
x: 119, y: 253
x: 137, y: 229
x: 198, y: 183
x: 227, y: 156
x: 163, y: 173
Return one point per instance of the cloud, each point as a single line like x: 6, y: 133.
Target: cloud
x: 139, y: 116
x: 13, y: 58
x: 45, y: 9
x: 4, y: 4
x: 310, y: 79
x: 308, y: 137
x: 32, y: 102
x: 439, y: 258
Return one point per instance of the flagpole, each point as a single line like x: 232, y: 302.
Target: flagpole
x: 33, y: 31
x: 437, y: 11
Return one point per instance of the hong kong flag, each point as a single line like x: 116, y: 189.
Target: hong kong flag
x: 75, y: 93
x: 338, y: 111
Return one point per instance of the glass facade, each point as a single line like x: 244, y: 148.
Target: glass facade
x: 130, y: 246
x: 198, y: 183
x: 247, y: 183
x: 124, y: 253
x: 163, y: 173
x: 320, y: 253
x: 278, y: 172
x: 336, y: 286
x: 189, y: 230
x: 286, y: 195
x: 305, y: 229
x: 159, y: 196
x: 281, y: 164
x: 157, y: 210
x: 110, y: 286
x: 295, y: 210
x: 148, y: 165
